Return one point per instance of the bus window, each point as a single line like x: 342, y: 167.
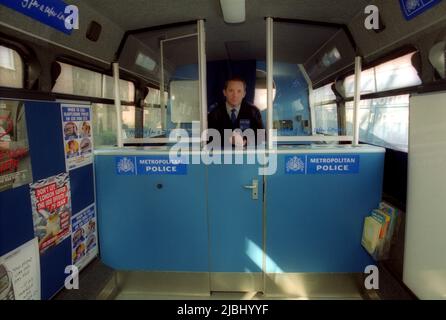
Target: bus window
x: 83, y: 82
x: 323, y: 95
x: 126, y: 89
x: 394, y: 74
x: 368, y: 84
x: 11, y: 68
x: 383, y: 121
x: 78, y: 81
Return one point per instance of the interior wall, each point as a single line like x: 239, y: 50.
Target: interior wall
x: 424, y: 258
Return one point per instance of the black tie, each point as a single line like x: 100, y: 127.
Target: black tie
x: 233, y: 117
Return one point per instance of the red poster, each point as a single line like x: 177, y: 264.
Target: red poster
x: 51, y: 204
x: 15, y: 162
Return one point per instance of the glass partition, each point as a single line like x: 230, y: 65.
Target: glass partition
x: 291, y: 109
x: 326, y: 119
x: 181, y: 82
x: 294, y: 118
x: 104, y: 125
x: 169, y: 58
x: 152, y: 126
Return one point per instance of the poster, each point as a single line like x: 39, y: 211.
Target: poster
x: 51, y: 205
x: 20, y: 273
x: 15, y: 161
x: 77, y: 135
x: 84, y: 238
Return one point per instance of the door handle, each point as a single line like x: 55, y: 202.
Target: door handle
x: 255, y: 189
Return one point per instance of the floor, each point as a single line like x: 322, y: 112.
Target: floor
x: 223, y: 296
x: 96, y: 277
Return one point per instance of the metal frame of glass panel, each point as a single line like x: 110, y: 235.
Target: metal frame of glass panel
x: 272, y: 139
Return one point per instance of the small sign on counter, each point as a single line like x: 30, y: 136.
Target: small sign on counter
x: 322, y: 164
x: 149, y: 165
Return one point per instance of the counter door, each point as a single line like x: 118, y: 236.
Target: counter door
x: 235, y: 227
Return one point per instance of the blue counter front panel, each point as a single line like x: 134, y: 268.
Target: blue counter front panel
x: 235, y: 219
x: 152, y: 222
x: 206, y: 220
x: 315, y: 221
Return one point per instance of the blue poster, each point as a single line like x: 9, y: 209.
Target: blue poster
x: 413, y: 8
x: 150, y: 165
x: 322, y: 164
x: 49, y: 12
x: 84, y: 240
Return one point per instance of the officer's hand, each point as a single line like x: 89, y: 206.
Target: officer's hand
x: 237, y: 139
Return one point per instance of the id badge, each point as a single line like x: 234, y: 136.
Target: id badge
x: 245, y: 124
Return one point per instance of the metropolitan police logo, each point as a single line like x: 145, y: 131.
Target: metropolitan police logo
x: 295, y: 165
x: 411, y: 5
x: 126, y: 166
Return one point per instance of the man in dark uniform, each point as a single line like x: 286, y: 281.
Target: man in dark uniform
x: 235, y: 113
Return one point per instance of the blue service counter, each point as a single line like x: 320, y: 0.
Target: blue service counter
x: 307, y: 217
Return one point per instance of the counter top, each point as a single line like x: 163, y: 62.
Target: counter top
x: 282, y: 149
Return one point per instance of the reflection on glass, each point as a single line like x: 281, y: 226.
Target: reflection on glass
x: 326, y: 120
x: 331, y: 57
x: 291, y: 113
x: 145, y: 61
x: 261, y: 91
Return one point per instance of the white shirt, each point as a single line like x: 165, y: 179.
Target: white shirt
x: 229, y: 110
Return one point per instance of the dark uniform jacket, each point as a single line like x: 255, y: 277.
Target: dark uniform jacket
x: 248, y: 117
